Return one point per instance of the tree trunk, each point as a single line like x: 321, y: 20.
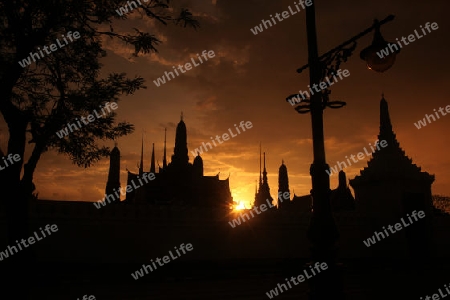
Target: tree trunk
x: 19, y: 265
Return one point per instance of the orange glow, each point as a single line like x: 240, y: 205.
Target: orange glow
x: 240, y: 206
x: 243, y: 192
x: 211, y: 108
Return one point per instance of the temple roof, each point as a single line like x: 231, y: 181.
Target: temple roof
x: 391, y: 162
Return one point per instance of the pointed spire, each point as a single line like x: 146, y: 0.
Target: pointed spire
x: 141, y: 166
x: 164, y: 158
x: 386, y: 131
x: 181, y: 118
x: 260, y: 174
x: 264, y: 161
x: 264, y: 171
x: 152, y: 166
x: 264, y: 189
x: 385, y: 119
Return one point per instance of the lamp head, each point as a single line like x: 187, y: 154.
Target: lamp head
x: 371, y: 54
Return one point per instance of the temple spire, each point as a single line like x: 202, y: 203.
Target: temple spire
x: 283, y: 186
x: 386, y: 131
x: 164, y: 158
x: 153, y: 166
x: 264, y: 161
x: 260, y: 173
x: 385, y: 119
x: 263, y: 193
x: 180, y: 156
x: 264, y: 170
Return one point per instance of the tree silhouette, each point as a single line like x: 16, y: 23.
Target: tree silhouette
x: 38, y: 100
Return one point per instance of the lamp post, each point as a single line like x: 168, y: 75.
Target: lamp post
x: 322, y: 231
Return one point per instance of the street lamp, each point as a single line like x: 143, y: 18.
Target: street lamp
x: 322, y: 231
x: 370, y: 54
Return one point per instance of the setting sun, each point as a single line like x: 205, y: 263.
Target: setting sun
x: 240, y: 206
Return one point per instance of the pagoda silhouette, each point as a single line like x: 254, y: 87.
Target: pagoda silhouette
x: 388, y: 188
x: 262, y: 196
x: 391, y: 185
x: 176, y: 183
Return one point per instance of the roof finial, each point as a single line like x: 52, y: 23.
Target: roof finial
x: 181, y: 116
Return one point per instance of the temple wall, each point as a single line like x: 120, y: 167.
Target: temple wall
x: 129, y: 233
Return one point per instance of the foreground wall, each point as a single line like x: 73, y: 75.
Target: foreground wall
x: 128, y: 233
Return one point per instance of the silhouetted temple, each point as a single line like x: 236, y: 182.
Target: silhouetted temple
x: 341, y: 198
x: 263, y: 194
x: 178, y: 182
x: 126, y: 234
x: 301, y: 203
x: 391, y: 185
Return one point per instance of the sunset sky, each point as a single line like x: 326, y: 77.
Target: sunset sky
x: 249, y: 79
